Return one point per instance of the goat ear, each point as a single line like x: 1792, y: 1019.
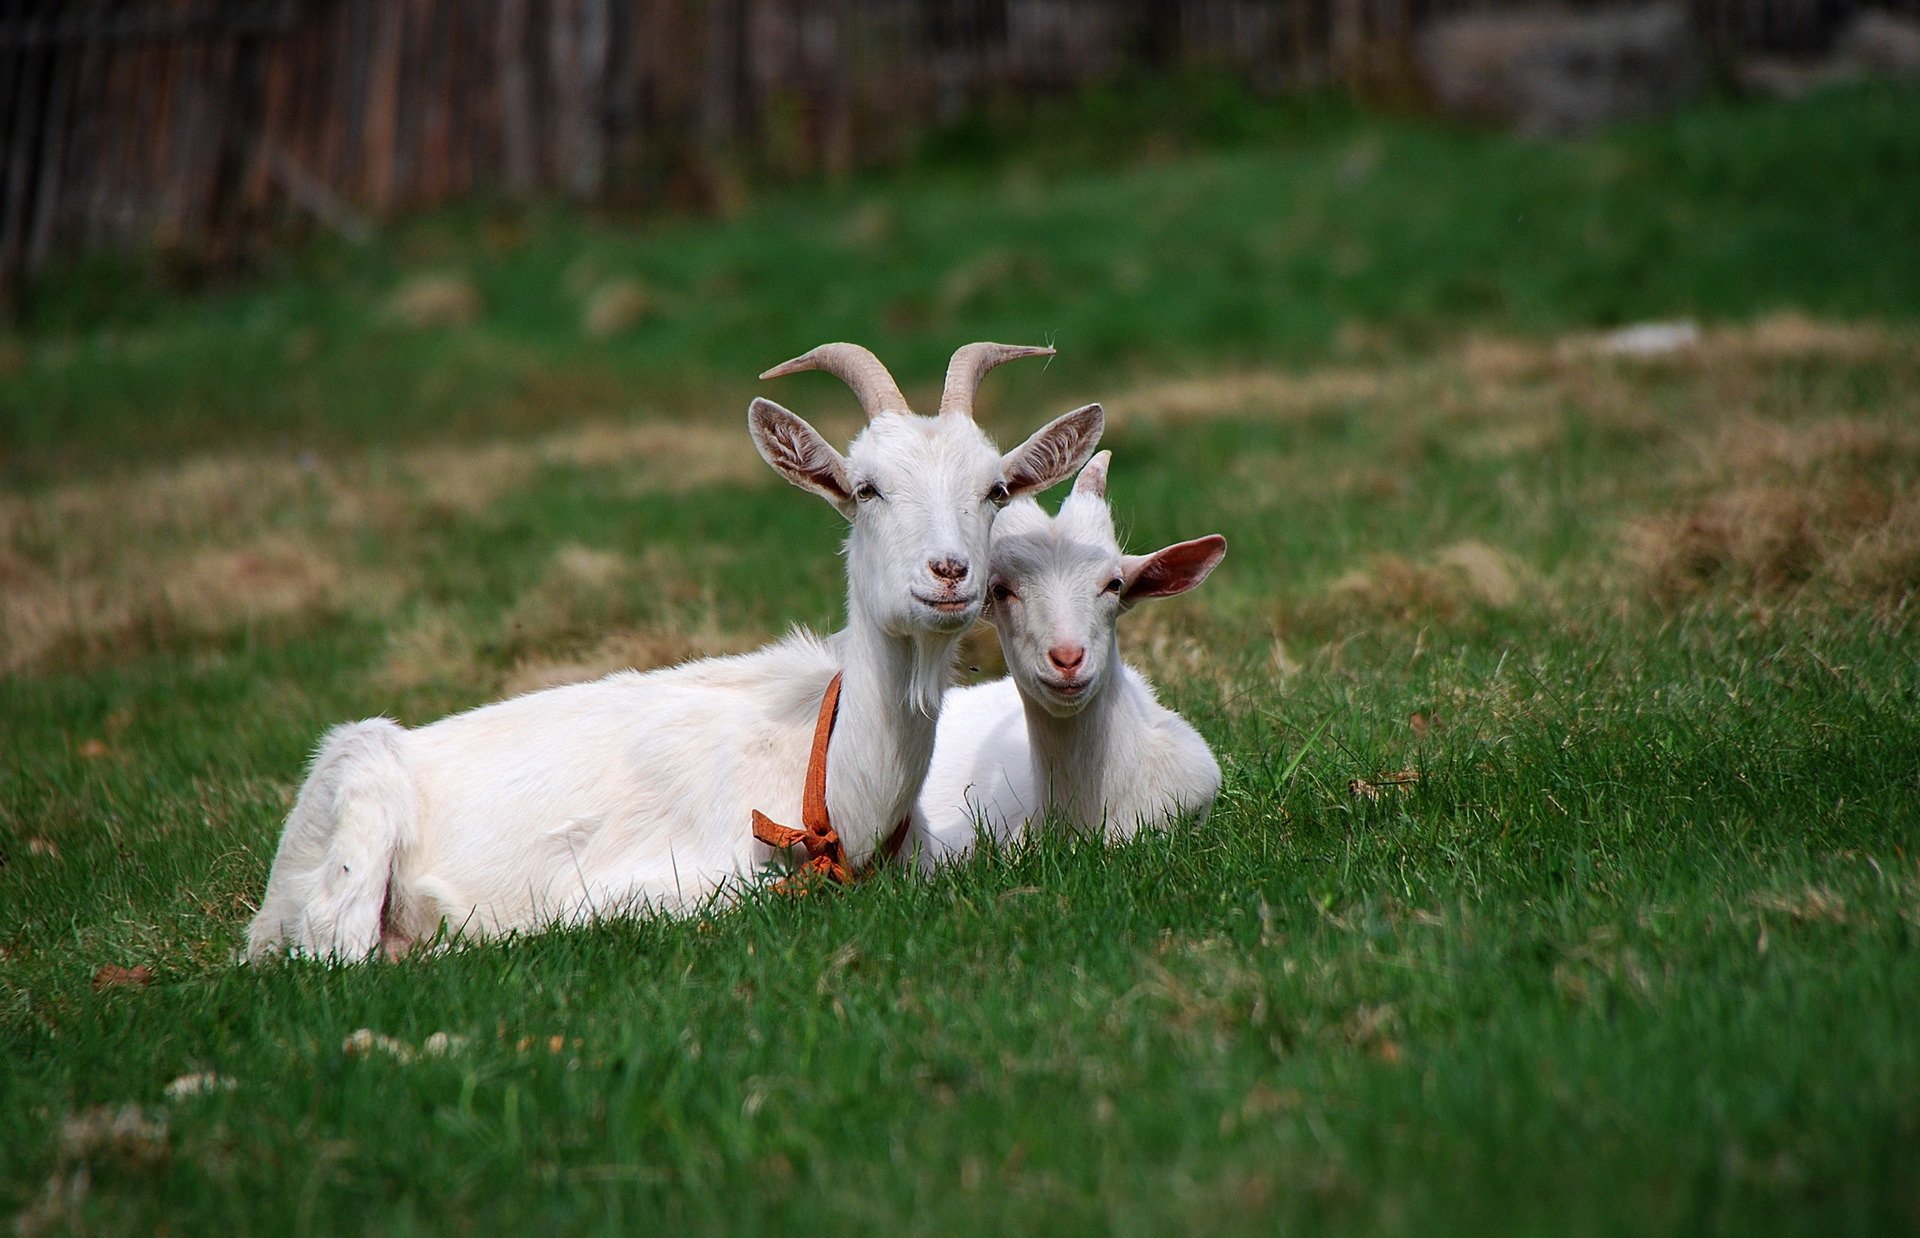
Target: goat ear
x: 1054, y: 452
x: 1172, y: 570
x: 798, y: 453
x: 1093, y: 479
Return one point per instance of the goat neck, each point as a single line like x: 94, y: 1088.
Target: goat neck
x: 883, y: 742
x: 1080, y: 760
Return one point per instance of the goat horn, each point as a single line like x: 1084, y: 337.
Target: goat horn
x: 858, y: 369
x: 970, y: 365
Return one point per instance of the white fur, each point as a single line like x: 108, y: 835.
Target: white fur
x: 636, y: 791
x: 1105, y: 759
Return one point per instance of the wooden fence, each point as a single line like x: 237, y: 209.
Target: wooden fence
x: 207, y: 124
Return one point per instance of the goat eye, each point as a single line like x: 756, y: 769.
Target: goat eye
x: 1001, y: 593
x: 1114, y: 585
x: 864, y: 491
x: 997, y: 494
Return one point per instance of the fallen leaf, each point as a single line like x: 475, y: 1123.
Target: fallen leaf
x: 43, y: 846
x: 1370, y: 788
x: 112, y: 975
x: 93, y: 749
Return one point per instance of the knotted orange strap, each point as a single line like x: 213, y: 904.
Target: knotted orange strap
x: 825, y: 855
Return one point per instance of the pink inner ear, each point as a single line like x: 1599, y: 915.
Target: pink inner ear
x: 1177, y: 568
x: 794, y: 448
x: 1054, y: 451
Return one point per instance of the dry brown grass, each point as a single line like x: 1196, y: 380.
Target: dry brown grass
x: 657, y: 457
x: 1504, y: 382
x: 1261, y: 393
x: 584, y: 589
x: 1829, y: 507
x: 591, y: 612
x: 1768, y: 504
x: 139, y: 603
x: 665, y: 457
x: 435, y: 647
x: 638, y: 649
x: 1792, y: 334
x: 1187, y: 644
x: 116, y: 567
x: 1462, y: 577
x: 1781, y: 336
x: 426, y: 301
x: 615, y: 306
x: 438, y: 650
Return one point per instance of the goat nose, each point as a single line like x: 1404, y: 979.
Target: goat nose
x: 948, y: 568
x: 1067, y: 658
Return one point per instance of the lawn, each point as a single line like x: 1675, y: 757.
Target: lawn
x: 1564, y: 878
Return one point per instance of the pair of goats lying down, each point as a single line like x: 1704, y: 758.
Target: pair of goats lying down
x: 635, y: 792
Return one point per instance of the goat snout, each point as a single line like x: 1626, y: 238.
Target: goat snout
x: 949, y: 569
x: 1067, y: 659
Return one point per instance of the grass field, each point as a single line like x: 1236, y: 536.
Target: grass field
x: 1565, y: 874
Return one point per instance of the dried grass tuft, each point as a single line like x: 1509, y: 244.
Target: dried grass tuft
x: 1828, y: 508
x: 638, y: 649
x: 270, y: 578
x: 119, y: 566
x: 591, y: 612
x: 1791, y: 334
x: 1264, y: 393
x: 435, y: 648
x: 1461, y: 578
x: 140, y: 604
x: 615, y: 306
x: 583, y: 590
x: 121, y: 1132
x: 428, y: 301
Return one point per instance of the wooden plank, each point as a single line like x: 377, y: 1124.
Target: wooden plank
x: 591, y: 52
x: 23, y: 153
x: 153, y: 24
x: 516, y: 97
x: 54, y: 139
x: 383, y: 106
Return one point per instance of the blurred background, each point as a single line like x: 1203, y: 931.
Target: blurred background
x: 209, y: 128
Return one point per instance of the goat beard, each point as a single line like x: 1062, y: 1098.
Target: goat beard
x: 933, y: 659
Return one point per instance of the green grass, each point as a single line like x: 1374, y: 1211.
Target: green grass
x: 1639, y: 951
x: 1300, y: 228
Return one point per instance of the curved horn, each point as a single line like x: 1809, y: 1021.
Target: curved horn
x: 858, y: 369
x: 970, y: 365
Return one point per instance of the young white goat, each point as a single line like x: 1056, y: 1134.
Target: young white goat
x: 1073, y: 730
x: 636, y: 791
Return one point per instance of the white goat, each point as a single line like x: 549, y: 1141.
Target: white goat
x: 636, y: 791
x: 1073, y: 730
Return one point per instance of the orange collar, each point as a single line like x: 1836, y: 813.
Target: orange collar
x: 826, y: 857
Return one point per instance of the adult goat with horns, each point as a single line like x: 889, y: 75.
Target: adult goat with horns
x: 637, y: 791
